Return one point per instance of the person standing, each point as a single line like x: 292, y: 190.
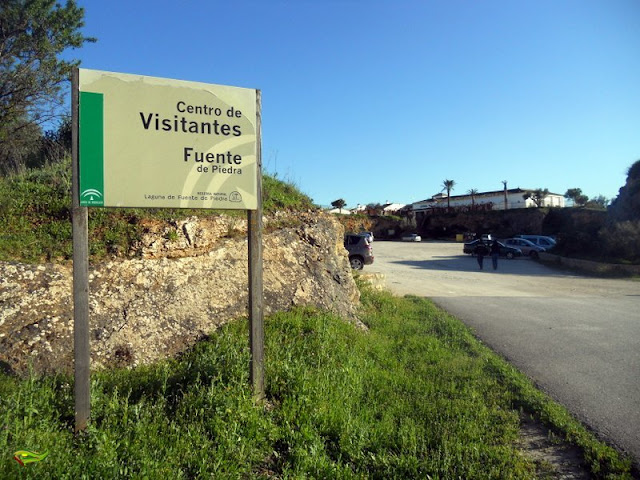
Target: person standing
x: 495, y: 253
x: 481, y: 251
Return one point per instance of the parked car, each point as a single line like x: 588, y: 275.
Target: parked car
x: 505, y: 251
x: 369, y: 235
x: 412, y: 237
x: 471, y: 236
x: 528, y: 247
x: 542, y: 240
x: 360, y: 251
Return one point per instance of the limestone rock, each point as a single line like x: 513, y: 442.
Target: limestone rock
x: 188, y: 278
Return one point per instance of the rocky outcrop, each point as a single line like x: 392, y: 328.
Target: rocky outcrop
x: 626, y: 206
x: 187, y: 278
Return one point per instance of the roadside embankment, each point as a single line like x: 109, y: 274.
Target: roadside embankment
x: 189, y: 278
x: 589, y: 266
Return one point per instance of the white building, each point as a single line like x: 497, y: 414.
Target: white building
x: 391, y: 208
x: 487, y: 201
x: 340, y: 211
x: 378, y: 209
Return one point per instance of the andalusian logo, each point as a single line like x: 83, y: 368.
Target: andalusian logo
x: 91, y: 195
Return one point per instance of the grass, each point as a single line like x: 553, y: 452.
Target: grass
x: 35, y: 216
x: 279, y: 195
x: 415, y: 397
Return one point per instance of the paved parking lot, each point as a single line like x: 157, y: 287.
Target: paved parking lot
x: 577, y: 337
x: 440, y: 269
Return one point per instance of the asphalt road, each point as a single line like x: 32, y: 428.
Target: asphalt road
x: 576, y: 337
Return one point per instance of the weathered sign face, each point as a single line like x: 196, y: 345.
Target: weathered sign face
x: 155, y: 142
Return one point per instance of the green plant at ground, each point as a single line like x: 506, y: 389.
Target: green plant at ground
x: 35, y: 216
x: 172, y: 235
x: 621, y: 241
x: 280, y: 195
x: 414, y: 397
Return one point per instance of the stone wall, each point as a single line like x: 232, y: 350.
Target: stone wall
x: 589, y: 266
x: 558, y: 222
x: 501, y: 223
x: 186, y: 279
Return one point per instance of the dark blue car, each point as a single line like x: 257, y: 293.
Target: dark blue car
x: 508, y: 252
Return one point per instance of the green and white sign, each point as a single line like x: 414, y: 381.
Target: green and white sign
x: 155, y: 142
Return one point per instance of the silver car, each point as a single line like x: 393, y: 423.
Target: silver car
x: 412, y: 237
x: 528, y: 247
x: 360, y: 251
x: 546, y: 242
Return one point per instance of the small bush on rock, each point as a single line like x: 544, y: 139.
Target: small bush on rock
x: 622, y: 240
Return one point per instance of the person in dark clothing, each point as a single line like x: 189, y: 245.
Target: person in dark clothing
x: 495, y: 253
x: 481, y: 251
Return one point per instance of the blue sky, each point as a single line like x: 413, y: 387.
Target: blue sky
x: 375, y: 101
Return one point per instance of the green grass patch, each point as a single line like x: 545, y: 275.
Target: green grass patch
x: 278, y: 195
x: 35, y: 216
x: 415, y: 397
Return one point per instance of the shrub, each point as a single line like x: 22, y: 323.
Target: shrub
x: 622, y: 240
x: 280, y: 195
x: 35, y: 215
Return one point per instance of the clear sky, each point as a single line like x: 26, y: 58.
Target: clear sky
x: 382, y: 100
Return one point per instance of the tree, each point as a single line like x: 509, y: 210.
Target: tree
x: 33, y: 79
x: 53, y: 146
x: 339, y: 204
x: 473, y: 192
x: 448, y: 186
x: 576, y: 195
x: 626, y: 205
x: 537, y: 196
x: 599, y: 203
x: 19, y: 145
x: 620, y: 235
x: 375, y: 208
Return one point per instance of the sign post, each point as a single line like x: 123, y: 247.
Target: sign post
x: 256, y: 310
x: 80, y: 232
x: 153, y: 142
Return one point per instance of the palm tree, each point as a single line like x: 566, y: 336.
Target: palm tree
x: 473, y: 192
x: 448, y: 186
x: 504, y: 182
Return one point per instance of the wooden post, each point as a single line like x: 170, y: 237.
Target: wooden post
x: 256, y: 310
x: 80, y: 226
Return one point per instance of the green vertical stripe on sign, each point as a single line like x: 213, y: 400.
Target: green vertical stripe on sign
x: 91, y: 149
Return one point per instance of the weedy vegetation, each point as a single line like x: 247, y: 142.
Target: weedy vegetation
x: 415, y: 396
x: 35, y: 216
